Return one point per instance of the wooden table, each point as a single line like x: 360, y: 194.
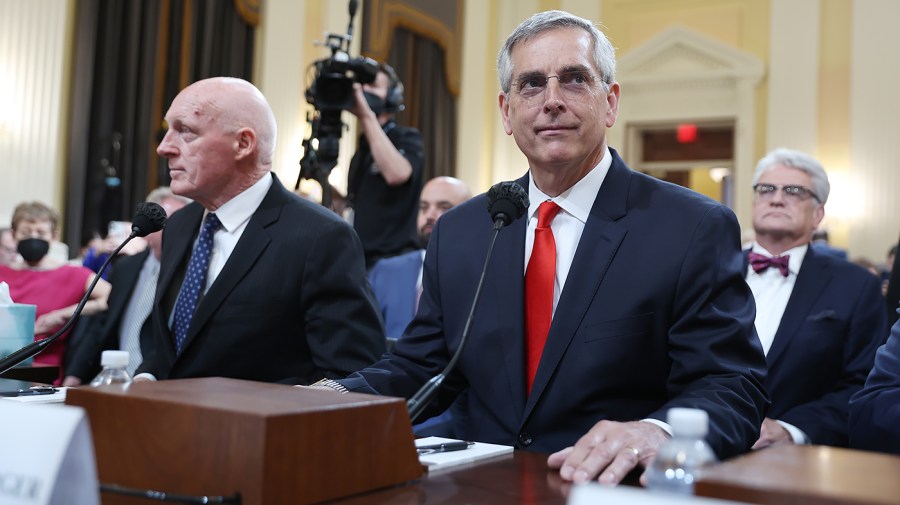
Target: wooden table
x: 806, y: 475
x: 514, y: 479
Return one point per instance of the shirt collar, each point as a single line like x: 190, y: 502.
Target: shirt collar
x: 578, y: 199
x: 237, y: 211
x: 795, y: 255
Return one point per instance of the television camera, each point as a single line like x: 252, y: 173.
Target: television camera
x: 330, y: 93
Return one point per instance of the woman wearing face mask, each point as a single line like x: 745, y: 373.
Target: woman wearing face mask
x: 54, y: 286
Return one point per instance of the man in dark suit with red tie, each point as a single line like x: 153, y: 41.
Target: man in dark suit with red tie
x: 819, y: 318
x: 632, y: 301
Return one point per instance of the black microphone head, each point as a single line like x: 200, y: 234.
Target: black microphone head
x: 507, y: 201
x: 149, y: 218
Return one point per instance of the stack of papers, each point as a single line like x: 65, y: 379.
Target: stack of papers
x: 476, y: 451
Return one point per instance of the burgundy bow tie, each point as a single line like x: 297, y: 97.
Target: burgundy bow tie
x: 760, y: 263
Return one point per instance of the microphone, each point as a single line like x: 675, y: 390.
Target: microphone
x: 149, y: 218
x: 507, y: 201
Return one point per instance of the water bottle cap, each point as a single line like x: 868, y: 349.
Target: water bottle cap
x: 114, y: 358
x: 688, y: 422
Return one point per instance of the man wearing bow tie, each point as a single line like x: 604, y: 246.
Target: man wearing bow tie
x: 819, y: 318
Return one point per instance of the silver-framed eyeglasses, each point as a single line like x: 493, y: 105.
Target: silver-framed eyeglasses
x: 572, y: 84
x: 792, y: 192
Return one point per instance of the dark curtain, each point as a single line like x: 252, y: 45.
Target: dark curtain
x: 430, y: 106
x: 131, y: 59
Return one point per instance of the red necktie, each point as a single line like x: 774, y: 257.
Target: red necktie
x: 760, y: 263
x: 539, y: 281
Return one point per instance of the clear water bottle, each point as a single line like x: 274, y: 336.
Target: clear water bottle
x: 679, y: 462
x: 114, y: 363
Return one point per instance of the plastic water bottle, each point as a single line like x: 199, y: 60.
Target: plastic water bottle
x: 679, y: 462
x: 114, y: 363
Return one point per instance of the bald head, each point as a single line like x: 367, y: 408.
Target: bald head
x: 220, y: 141
x: 438, y: 196
x: 240, y: 104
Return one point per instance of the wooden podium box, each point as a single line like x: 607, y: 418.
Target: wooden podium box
x: 805, y: 475
x: 271, y: 443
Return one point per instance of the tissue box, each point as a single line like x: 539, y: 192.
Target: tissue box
x: 16, y: 328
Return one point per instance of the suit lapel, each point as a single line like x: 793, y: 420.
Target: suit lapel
x: 127, y: 273
x: 177, y: 245
x: 410, y: 277
x: 814, y: 275
x: 250, y: 246
x: 599, y: 242
x: 507, y: 298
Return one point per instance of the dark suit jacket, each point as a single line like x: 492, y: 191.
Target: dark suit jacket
x: 824, y: 347
x: 394, y: 283
x: 875, y: 410
x: 103, y: 331
x: 291, y: 304
x: 655, y: 314
x: 824, y: 248
x: 892, y: 297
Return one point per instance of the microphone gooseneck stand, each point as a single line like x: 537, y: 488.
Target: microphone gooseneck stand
x: 507, y: 202
x: 150, y: 217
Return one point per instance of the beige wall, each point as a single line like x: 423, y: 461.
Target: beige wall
x: 286, y: 46
x: 34, y: 56
x: 829, y: 88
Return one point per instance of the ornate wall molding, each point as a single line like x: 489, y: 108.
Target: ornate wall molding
x: 249, y: 11
x: 682, y: 76
x: 440, y: 21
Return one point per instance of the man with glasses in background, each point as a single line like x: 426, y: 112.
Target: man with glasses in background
x: 819, y: 318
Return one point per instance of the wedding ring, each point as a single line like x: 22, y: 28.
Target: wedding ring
x: 637, y: 452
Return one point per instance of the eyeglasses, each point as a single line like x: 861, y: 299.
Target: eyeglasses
x: 791, y: 192
x: 572, y: 84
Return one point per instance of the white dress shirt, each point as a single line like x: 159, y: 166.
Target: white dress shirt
x: 568, y: 225
x: 772, y: 290
x: 234, y: 216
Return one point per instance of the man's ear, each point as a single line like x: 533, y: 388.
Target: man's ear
x: 612, y: 102
x: 503, y: 101
x: 818, y: 215
x: 245, y: 143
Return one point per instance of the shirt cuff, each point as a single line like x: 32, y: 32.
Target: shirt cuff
x: 664, y: 426
x: 145, y: 375
x: 796, y: 433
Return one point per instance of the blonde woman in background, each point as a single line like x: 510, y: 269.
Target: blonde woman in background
x: 54, y: 286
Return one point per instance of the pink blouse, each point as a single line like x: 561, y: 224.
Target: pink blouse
x: 49, y: 290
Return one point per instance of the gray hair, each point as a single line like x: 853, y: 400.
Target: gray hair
x: 604, y: 53
x: 163, y: 192
x: 800, y: 161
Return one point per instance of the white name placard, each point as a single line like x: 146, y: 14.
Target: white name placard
x: 47, y: 455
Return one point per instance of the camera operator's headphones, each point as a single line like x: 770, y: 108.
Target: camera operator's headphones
x: 393, y: 102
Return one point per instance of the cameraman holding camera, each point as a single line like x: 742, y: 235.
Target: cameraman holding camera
x: 385, y: 176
